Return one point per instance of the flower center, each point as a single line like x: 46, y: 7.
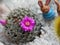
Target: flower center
x: 27, y: 23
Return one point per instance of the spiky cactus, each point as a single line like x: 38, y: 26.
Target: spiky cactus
x: 14, y: 31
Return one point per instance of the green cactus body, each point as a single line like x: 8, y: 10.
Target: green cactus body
x: 14, y: 31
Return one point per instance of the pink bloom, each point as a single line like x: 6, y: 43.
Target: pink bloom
x: 3, y: 22
x: 27, y: 23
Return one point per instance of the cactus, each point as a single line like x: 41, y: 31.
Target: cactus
x: 13, y: 30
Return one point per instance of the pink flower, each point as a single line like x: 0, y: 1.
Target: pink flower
x: 3, y: 22
x: 27, y: 23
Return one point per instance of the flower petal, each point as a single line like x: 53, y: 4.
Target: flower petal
x: 24, y: 26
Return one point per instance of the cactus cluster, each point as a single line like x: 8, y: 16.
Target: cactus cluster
x: 13, y: 30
